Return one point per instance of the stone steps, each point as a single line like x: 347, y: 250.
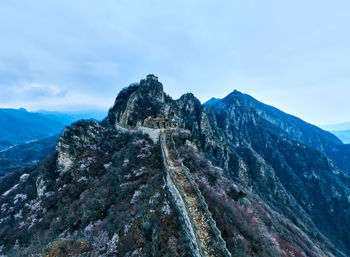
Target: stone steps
x: 207, y: 237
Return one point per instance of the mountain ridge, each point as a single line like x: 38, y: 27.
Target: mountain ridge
x: 164, y: 177
x: 292, y: 127
x: 264, y: 108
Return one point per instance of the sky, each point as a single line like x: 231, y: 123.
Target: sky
x: 72, y: 55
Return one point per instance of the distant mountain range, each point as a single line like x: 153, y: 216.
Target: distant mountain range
x: 341, y: 130
x: 18, y: 126
x: 27, y: 154
x: 26, y: 138
x: 344, y: 135
x: 70, y: 117
x: 337, y: 127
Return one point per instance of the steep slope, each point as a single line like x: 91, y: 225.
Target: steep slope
x: 319, y: 187
x: 164, y: 177
x: 280, y: 123
x: 249, y: 226
x: 206, y: 236
x: 341, y: 157
x: 103, y: 195
x: 288, y: 126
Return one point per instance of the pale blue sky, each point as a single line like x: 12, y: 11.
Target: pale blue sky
x: 78, y: 54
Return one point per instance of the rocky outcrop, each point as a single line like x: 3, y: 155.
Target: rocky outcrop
x: 146, y: 105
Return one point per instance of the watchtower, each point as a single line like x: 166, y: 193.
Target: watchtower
x: 152, y: 77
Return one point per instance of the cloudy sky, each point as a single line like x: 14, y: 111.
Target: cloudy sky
x: 78, y: 54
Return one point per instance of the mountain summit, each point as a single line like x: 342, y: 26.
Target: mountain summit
x: 164, y: 177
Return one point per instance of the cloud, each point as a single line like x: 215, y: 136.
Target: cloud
x: 38, y: 92
x: 59, y: 49
x: 31, y: 93
x: 37, y: 96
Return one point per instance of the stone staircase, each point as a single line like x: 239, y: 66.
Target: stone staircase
x: 203, y: 236
x: 201, y: 229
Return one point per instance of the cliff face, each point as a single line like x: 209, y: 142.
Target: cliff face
x: 286, y: 126
x: 306, y: 174
x: 278, y: 122
x: 164, y: 177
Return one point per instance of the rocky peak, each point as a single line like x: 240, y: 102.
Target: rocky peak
x: 188, y: 101
x: 211, y: 101
x: 138, y: 102
x: 152, y: 87
x: 152, y: 77
x: 190, y: 110
x: 146, y: 105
